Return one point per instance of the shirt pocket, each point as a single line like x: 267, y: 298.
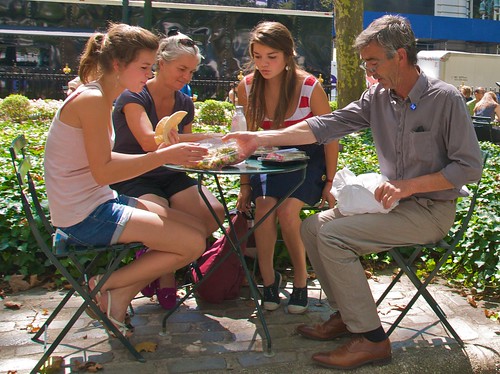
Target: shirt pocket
x: 421, y: 146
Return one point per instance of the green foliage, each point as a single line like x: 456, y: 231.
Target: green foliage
x: 333, y: 105
x: 476, y: 264
x: 44, y: 110
x: 358, y: 153
x: 18, y: 248
x: 15, y: 108
x: 216, y: 114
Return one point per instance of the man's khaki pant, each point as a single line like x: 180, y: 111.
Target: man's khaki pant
x: 334, y: 243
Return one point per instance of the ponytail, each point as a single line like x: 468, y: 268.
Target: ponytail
x: 89, y: 60
x: 122, y: 43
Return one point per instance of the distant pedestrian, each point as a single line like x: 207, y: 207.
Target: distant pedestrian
x: 467, y: 93
x: 488, y: 106
x: 478, y: 95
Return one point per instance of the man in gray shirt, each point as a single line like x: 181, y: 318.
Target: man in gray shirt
x: 427, y: 148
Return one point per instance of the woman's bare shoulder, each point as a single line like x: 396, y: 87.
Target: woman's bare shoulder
x: 302, y: 74
x: 86, y: 103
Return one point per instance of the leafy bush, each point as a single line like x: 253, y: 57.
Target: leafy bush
x: 18, y: 248
x: 477, y: 263
x: 15, y: 108
x: 216, y: 114
x: 44, y: 110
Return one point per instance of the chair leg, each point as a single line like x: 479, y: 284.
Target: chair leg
x: 402, y: 263
x: 52, y: 316
x: 390, y: 287
x: 88, y: 302
x: 59, y: 338
x: 83, y: 275
x: 421, y: 291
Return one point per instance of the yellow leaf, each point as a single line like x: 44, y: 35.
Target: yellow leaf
x: 52, y: 365
x: 32, y: 329
x: 146, y: 347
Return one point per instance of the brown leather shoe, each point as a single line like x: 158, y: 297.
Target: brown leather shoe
x: 329, y: 330
x: 357, y: 352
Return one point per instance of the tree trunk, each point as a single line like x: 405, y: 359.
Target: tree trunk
x: 348, y: 20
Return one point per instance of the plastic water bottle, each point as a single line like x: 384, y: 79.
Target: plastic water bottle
x: 239, y: 123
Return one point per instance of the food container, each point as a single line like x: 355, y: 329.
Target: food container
x: 284, y: 156
x: 220, y: 154
x: 263, y: 151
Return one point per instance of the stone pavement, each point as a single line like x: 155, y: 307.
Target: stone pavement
x: 228, y: 337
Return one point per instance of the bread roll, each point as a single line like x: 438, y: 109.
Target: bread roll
x: 166, y: 124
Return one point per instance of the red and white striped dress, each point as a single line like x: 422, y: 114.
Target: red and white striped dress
x: 278, y: 184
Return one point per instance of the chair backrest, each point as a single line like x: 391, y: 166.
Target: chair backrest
x: 29, y: 198
x: 481, y: 119
x: 472, y: 205
x: 483, y: 128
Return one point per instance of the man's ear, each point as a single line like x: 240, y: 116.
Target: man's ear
x: 402, y: 55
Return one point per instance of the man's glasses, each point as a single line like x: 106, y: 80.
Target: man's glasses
x: 370, y: 70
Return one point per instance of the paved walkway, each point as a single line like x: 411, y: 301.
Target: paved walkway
x: 227, y: 337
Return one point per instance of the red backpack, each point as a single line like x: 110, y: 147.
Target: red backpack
x: 225, y: 281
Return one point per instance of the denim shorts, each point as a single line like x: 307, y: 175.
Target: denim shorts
x: 101, y: 227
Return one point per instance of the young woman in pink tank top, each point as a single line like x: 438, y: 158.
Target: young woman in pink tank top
x: 120, y: 59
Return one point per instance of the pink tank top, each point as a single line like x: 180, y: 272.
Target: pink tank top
x: 71, y: 190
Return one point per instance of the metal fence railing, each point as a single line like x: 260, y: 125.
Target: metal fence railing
x: 48, y: 85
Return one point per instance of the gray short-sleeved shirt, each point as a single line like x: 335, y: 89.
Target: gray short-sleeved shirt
x: 428, y: 132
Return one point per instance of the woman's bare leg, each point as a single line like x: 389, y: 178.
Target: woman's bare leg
x: 175, y: 239
x: 289, y: 220
x: 190, y: 202
x: 265, y: 238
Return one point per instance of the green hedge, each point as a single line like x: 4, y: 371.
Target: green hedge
x: 477, y: 264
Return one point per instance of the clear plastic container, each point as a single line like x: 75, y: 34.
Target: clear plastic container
x: 220, y: 154
x: 285, y: 155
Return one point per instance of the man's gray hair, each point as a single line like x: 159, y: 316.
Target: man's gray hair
x: 391, y: 32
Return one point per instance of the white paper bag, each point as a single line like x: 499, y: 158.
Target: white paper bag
x: 355, y: 194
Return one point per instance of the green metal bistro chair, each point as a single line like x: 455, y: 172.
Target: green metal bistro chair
x: 34, y: 212
x: 406, y: 264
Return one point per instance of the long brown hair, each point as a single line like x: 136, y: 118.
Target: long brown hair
x: 121, y: 43
x: 274, y: 35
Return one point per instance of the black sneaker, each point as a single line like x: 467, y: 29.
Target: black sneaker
x: 298, y: 301
x: 271, y: 299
